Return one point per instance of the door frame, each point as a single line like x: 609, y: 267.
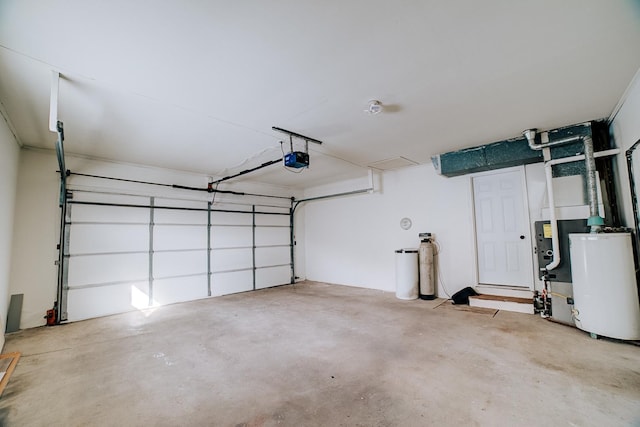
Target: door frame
x: 527, y: 218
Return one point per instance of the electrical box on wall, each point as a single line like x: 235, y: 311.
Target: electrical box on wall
x: 296, y: 159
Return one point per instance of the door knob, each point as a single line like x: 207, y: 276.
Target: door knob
x: 522, y: 237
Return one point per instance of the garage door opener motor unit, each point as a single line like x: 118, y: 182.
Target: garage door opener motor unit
x: 296, y: 159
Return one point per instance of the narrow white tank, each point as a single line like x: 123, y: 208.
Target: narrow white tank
x: 604, y: 285
x: 407, y: 274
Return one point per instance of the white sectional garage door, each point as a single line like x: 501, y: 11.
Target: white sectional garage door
x: 133, y: 252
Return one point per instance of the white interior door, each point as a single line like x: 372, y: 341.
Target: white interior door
x: 502, y: 231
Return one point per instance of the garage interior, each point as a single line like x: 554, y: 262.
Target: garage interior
x: 262, y: 213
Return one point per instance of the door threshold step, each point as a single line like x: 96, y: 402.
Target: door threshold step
x: 501, y: 290
x: 500, y: 302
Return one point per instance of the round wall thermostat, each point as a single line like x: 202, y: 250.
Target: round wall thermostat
x: 405, y: 223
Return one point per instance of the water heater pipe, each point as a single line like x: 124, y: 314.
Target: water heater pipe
x: 530, y: 135
x: 595, y: 221
x: 555, y: 243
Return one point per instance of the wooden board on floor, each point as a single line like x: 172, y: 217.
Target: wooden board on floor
x: 8, y: 364
x: 464, y: 307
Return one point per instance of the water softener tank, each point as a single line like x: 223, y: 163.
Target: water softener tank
x: 426, y: 254
x: 604, y: 285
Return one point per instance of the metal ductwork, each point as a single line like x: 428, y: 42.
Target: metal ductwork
x: 595, y: 221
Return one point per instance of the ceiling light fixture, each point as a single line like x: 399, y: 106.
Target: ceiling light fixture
x: 374, y: 107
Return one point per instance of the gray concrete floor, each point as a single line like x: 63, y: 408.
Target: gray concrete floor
x: 319, y: 355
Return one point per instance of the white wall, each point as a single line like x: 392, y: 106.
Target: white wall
x: 9, y: 157
x: 625, y: 130
x: 351, y: 240
x: 33, y: 270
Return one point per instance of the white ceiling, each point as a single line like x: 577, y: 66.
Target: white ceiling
x: 197, y: 85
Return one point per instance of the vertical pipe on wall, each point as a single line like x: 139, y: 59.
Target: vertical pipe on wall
x: 555, y: 241
x: 595, y: 221
x: 552, y: 207
x: 151, y: 223
x: 209, y: 248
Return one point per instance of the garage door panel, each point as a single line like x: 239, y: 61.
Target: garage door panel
x: 231, y: 259
x: 173, y: 216
x: 224, y: 237
x: 108, y: 214
x: 103, y: 301
x: 268, y: 277
x: 111, y: 198
x: 109, y: 248
x: 88, y: 270
x: 166, y: 264
x: 231, y: 283
x: 169, y: 291
x: 166, y: 237
x: 229, y: 218
x: 272, y: 256
x: 277, y: 220
x: 90, y: 238
x: 272, y: 236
